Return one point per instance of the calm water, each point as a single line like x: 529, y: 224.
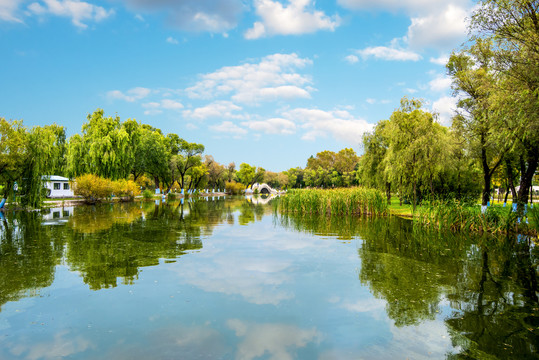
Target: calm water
x: 228, y: 279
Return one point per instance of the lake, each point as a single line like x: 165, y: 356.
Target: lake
x: 231, y: 279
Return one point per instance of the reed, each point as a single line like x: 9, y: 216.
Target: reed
x: 348, y: 201
x: 458, y: 216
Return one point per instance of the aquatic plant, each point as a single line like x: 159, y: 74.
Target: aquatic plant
x: 456, y: 216
x: 350, y: 201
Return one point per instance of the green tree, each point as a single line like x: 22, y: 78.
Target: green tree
x: 473, y: 79
x: 13, y: 152
x: 372, y: 168
x: 102, y: 149
x: 45, y: 149
x: 513, y: 28
x: 188, y: 157
x: 415, y: 142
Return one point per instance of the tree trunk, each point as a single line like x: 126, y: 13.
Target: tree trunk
x: 486, y: 173
x: 431, y: 188
x: 526, y: 177
x: 156, y: 180
x: 486, y: 189
x: 388, y: 192
x: 415, y: 194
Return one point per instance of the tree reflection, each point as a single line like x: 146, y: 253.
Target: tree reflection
x: 144, y: 234
x: 29, y: 253
x: 490, y: 284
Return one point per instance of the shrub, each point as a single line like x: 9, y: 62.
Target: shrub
x: 175, y: 187
x: 147, y: 194
x: 234, y: 188
x: 125, y: 189
x: 92, y: 188
x: 171, y: 196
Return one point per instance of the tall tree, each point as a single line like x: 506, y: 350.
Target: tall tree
x: 190, y: 155
x: 103, y: 149
x: 13, y: 139
x: 414, y: 148
x: 473, y: 78
x: 513, y: 27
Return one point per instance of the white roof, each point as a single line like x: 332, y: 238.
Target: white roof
x: 54, y: 178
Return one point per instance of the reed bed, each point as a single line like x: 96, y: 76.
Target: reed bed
x: 346, y: 201
x: 457, y: 216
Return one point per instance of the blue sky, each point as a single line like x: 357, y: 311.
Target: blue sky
x: 267, y: 82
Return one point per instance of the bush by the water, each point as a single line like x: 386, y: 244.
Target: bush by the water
x: 94, y: 188
x: 350, y: 201
x: 234, y: 188
x: 147, y: 194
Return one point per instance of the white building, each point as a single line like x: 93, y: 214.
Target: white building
x: 57, y: 186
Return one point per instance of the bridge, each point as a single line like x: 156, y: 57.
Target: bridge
x: 264, y: 189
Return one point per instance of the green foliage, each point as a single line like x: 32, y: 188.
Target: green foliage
x: 105, y: 148
x: 125, y: 189
x: 94, y: 188
x: 147, y: 194
x: 458, y: 216
x: 353, y: 201
x: 234, y: 188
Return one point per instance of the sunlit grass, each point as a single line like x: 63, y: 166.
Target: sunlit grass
x: 350, y: 201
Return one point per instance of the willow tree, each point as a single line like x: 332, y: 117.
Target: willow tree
x: 474, y: 81
x: 415, y: 155
x: 45, y: 148
x: 372, y: 168
x: 103, y: 149
x: 513, y: 28
x: 13, y: 138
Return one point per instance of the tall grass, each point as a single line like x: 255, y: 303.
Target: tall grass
x: 350, y: 201
x: 457, y: 216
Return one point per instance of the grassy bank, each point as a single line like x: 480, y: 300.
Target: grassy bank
x: 456, y: 216
x: 349, y: 201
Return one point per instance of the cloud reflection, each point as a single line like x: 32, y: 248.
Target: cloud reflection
x: 278, y: 340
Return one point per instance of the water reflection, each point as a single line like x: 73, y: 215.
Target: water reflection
x: 29, y: 254
x: 257, y: 285
x: 485, y: 288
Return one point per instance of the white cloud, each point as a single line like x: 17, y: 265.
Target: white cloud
x: 409, y: 6
x: 78, y: 11
x: 140, y: 18
x: 221, y: 109
x: 228, y: 127
x: 441, y: 60
x: 440, y: 29
x: 131, y: 95
x: 8, y: 9
x: 389, y: 53
x: 352, y: 59
x: 294, y: 19
x: 172, y: 40
x: 338, y: 123
x: 156, y: 108
x: 440, y: 83
x: 445, y: 107
x: 194, y: 15
x: 279, y: 341
x: 171, y: 104
x: 272, y: 126
x: 273, y: 78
